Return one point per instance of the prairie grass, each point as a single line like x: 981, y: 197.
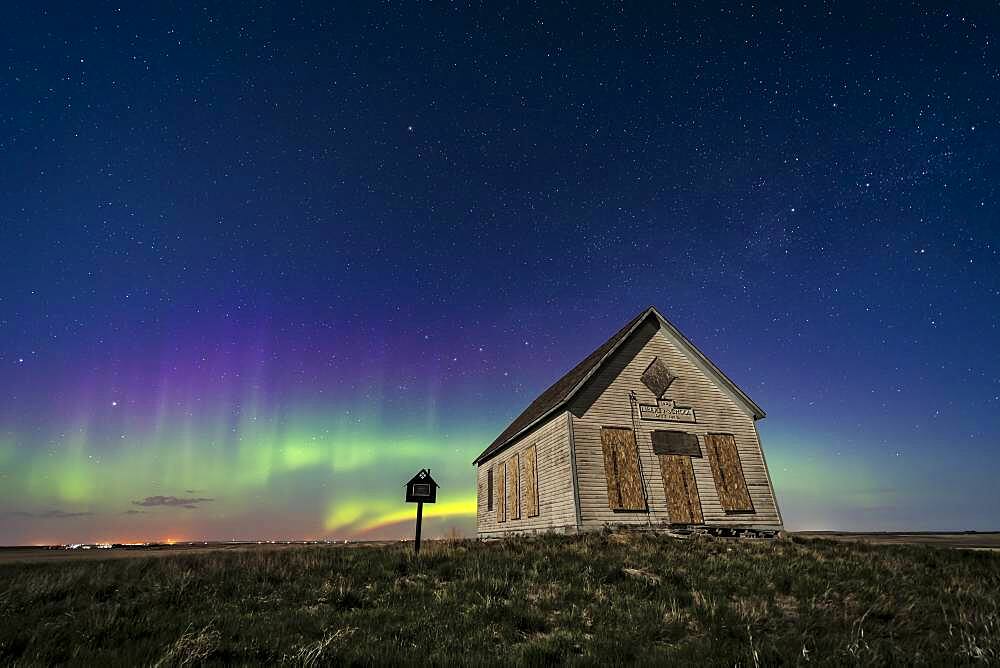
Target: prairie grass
x: 598, y: 598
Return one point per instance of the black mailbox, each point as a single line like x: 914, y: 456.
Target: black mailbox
x: 421, y: 488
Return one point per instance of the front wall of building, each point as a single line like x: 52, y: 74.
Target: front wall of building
x: 604, y: 402
x: 556, y: 502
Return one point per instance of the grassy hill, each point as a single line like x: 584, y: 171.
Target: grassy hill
x: 598, y: 598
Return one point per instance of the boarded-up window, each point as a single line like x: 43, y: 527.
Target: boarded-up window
x: 489, y: 490
x: 728, y: 473
x: 513, y: 488
x: 530, y: 482
x: 501, y: 493
x: 657, y: 377
x: 621, y: 468
x: 666, y: 442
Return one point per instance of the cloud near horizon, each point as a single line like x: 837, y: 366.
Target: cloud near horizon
x: 172, y: 501
x: 48, y: 514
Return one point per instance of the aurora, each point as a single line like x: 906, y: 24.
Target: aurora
x: 260, y: 266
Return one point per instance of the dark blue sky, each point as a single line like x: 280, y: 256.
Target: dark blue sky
x: 424, y: 214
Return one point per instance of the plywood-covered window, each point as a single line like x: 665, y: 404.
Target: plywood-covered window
x: 513, y: 488
x: 501, y: 493
x: 489, y: 490
x: 621, y: 469
x: 530, y: 483
x: 657, y: 377
x: 728, y: 473
x: 669, y: 442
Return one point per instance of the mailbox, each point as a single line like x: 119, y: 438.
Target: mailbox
x: 421, y: 488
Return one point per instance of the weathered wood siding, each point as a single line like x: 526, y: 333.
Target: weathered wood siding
x: 604, y: 402
x: 555, y: 500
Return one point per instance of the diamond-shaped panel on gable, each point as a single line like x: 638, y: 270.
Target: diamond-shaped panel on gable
x: 657, y: 377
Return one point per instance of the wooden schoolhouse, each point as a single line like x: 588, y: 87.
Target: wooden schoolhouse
x: 645, y: 432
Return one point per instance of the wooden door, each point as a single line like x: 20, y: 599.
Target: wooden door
x: 683, y: 501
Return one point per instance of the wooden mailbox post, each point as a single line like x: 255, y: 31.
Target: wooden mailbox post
x: 420, y: 490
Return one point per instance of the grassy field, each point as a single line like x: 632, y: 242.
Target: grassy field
x: 601, y: 598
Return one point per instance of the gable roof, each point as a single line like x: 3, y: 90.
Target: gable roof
x: 423, y: 475
x: 560, y: 392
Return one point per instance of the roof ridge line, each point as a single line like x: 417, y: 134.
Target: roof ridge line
x: 554, y: 397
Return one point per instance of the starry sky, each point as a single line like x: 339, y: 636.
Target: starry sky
x: 261, y: 263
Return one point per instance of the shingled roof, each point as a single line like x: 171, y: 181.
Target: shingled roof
x: 563, y: 389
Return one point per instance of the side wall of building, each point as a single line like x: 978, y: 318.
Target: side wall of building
x: 556, y: 500
x: 604, y: 402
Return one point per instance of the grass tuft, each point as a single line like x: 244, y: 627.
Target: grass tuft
x: 191, y: 648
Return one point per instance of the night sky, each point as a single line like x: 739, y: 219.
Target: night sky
x: 259, y: 264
